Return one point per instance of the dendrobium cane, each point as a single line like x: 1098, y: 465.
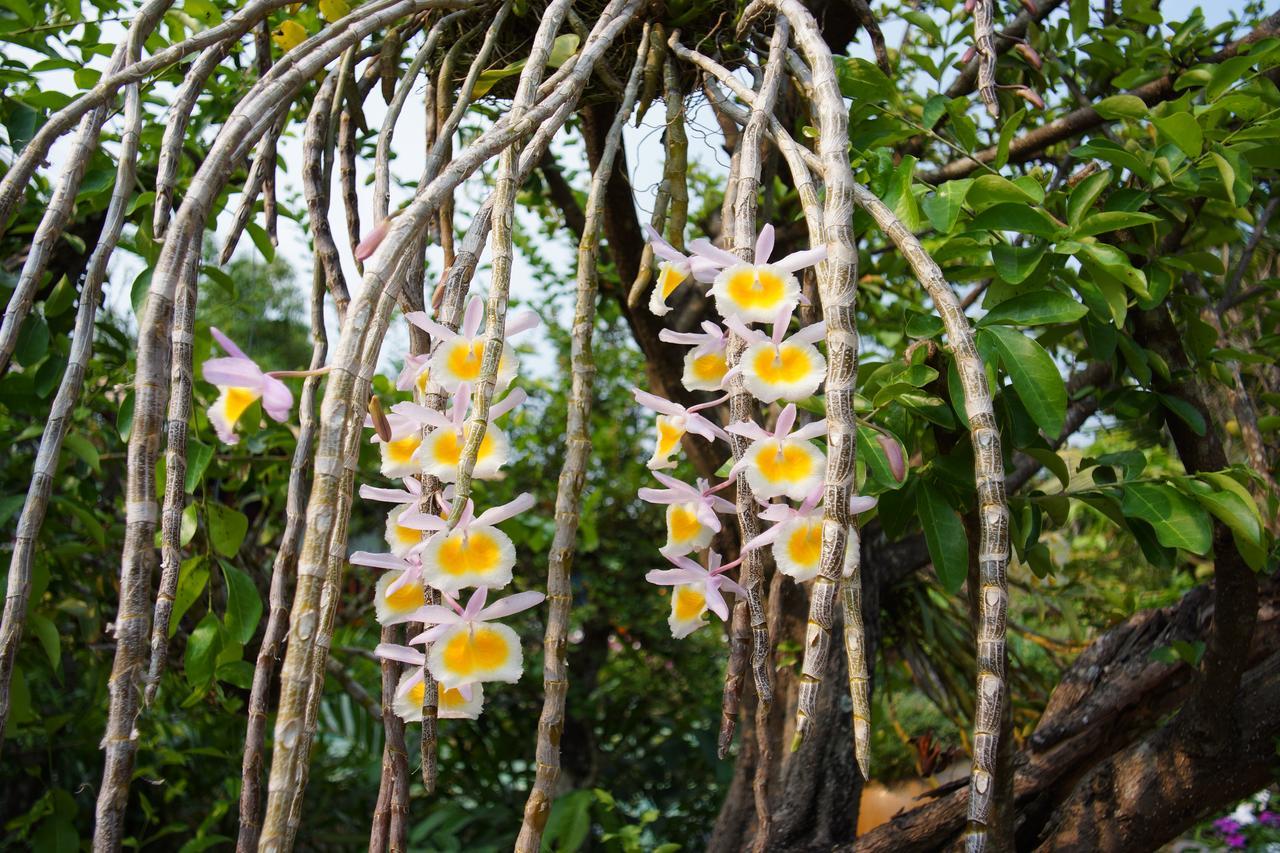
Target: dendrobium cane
x: 675, y: 268
x: 697, y: 589
x: 756, y: 292
x: 691, y: 512
x: 474, y: 552
x: 796, y: 536
x: 466, y: 645
x: 777, y: 367
x: 240, y: 382
x: 705, y: 365
x: 782, y: 462
x: 400, y: 592
x: 457, y: 356
x: 674, y: 421
x: 441, y: 450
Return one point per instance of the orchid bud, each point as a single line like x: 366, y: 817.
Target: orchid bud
x: 367, y: 246
x: 968, y: 55
x: 1030, y: 96
x: 381, y: 425
x: 1029, y: 54
x: 893, y: 452
x: 1030, y: 6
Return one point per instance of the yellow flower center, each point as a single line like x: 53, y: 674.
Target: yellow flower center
x: 417, y: 694
x: 451, y: 698
x: 804, y: 545
x: 407, y: 535
x: 476, y: 553
x: 447, y: 450
x: 683, y: 523
x: 710, y: 367
x: 787, y: 364
x: 669, y: 279
x: 756, y: 288
x: 407, y: 598
x: 464, y: 361
x: 669, y: 435
x: 402, y: 449
x: 235, y: 401
x: 788, y: 463
x: 689, y: 603
x: 477, y: 651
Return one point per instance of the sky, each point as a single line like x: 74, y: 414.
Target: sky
x: 642, y: 145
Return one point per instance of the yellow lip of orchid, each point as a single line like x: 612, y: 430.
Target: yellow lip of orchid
x: 458, y: 357
x: 688, y: 607
x: 399, y: 456
x: 685, y: 531
x: 240, y: 384
x: 400, y: 539
x: 396, y: 605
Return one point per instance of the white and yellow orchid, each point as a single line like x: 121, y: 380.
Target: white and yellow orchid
x: 466, y: 645
x: 674, y: 421
x: 706, y: 364
x: 674, y: 270
x: 696, y: 590
x: 401, y: 592
x: 457, y: 356
x: 691, y: 512
x: 755, y: 292
x: 440, y: 450
x: 474, y: 553
x: 400, y: 539
x: 465, y: 702
x: 778, y: 367
x: 240, y: 382
x: 781, y: 462
x: 796, y: 536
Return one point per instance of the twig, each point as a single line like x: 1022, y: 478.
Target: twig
x: 573, y: 476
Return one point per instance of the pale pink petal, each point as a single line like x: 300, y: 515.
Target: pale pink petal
x: 378, y: 560
x: 786, y: 420
x: 404, y: 654
x: 715, y: 601
x: 732, y: 586
x: 236, y: 372
x: 704, y: 270
x: 813, y: 430
x: 228, y: 346
x: 859, y: 504
x: 509, y: 605
x: 431, y: 327
x: 799, y: 260
x: 277, y: 399
x: 499, y: 514
x: 659, y: 496
x: 395, y: 496
x: 521, y: 322
x: 749, y: 429
x: 764, y: 244
x: 767, y: 538
x: 713, y: 253
x: 674, y: 577
x: 432, y: 634
x: 471, y: 321
x: 409, y: 683
x: 810, y: 334
x: 371, y: 241
x: 656, y: 403
x: 507, y: 403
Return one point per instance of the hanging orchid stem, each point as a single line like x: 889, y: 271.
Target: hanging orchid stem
x: 993, y: 512
x: 985, y: 46
x: 300, y: 374
x: 573, y: 476
x: 282, y: 570
x: 34, y: 508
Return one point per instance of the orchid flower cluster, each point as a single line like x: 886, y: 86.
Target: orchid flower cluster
x: 780, y: 464
x: 429, y: 549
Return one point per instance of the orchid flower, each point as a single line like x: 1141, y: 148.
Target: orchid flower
x: 400, y: 592
x: 781, y: 462
x: 457, y: 357
x: 240, y: 382
x: 777, y: 367
x: 474, y: 552
x: 756, y: 292
x: 441, y: 450
x: 400, y: 539
x: 705, y: 365
x: 696, y: 590
x: 674, y: 269
x: 459, y: 703
x: 398, y: 454
x: 796, y: 536
x: 674, y: 421
x: 691, y: 512
x: 466, y: 645
x: 414, y: 374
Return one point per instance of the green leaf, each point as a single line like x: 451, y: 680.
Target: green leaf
x: 193, y: 574
x: 244, y: 605
x: 1226, y: 73
x: 945, y: 536
x: 1227, y: 173
x: 1185, y: 411
x: 1177, y: 520
x: 227, y: 528
x: 1014, y: 263
x: 1010, y: 127
x: 138, y: 291
x: 82, y: 447
x: 1232, y: 504
x: 60, y: 298
x: 262, y: 240
x: 1085, y: 194
x: 1183, y: 131
x: 199, y: 455
x: 47, y: 633
x: 1113, y: 220
x: 1053, y: 462
x: 943, y: 205
x: 1035, y: 377
x: 1122, y: 106
x: 1022, y: 218
x: 1035, y: 309
x: 988, y: 190
x: 33, y: 341
x: 190, y: 524
x: 202, y: 651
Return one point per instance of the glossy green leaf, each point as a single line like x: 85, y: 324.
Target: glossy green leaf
x: 227, y: 528
x: 1035, y: 377
x: 1183, y: 131
x: 1178, y: 521
x: 1022, y: 218
x: 944, y: 534
x: 202, y: 651
x: 193, y: 575
x: 244, y: 605
x: 1035, y: 309
x: 1014, y: 263
x: 1085, y: 193
x: 43, y: 629
x: 1113, y: 220
x: 1122, y: 106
